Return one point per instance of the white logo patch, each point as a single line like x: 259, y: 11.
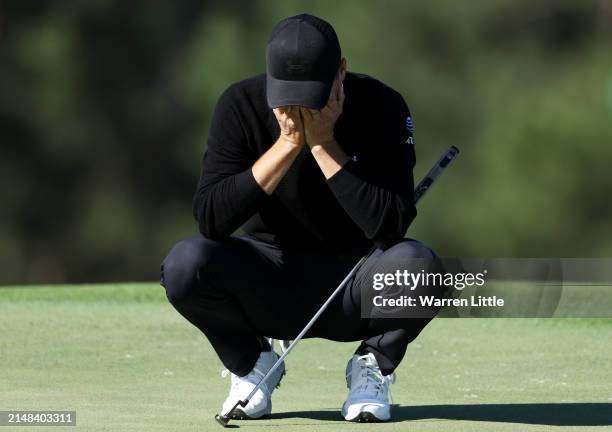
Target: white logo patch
x: 410, y: 129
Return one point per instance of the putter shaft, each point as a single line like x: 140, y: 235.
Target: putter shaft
x: 419, y: 192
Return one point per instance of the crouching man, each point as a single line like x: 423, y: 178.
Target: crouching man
x: 315, y: 164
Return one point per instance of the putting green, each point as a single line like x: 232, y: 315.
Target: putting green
x: 122, y: 358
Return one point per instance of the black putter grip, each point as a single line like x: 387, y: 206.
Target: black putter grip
x: 435, y: 172
x: 450, y: 155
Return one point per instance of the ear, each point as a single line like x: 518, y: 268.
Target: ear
x: 342, y: 69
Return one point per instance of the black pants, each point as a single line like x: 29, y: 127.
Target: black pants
x: 239, y: 291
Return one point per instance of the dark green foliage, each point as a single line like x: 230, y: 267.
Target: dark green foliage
x: 104, y: 110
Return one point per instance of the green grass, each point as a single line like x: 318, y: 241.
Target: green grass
x: 126, y: 361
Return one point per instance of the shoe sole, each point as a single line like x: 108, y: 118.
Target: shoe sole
x: 366, y: 417
x: 238, y: 414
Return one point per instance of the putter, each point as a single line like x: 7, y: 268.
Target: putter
x: 419, y: 192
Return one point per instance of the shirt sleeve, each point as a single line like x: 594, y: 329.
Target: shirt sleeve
x: 227, y: 194
x: 376, y: 188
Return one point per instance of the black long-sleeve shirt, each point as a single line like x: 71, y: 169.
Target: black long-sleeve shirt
x: 369, y: 200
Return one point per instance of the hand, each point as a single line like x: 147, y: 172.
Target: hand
x: 291, y: 125
x: 319, y: 124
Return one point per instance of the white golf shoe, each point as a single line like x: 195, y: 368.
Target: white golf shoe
x: 260, y: 404
x: 369, y: 399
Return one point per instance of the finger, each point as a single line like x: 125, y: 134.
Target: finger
x: 327, y: 111
x: 282, y: 111
x: 332, y: 104
x: 295, y: 113
x: 278, y: 114
x: 299, y: 114
x: 333, y: 93
x: 338, y: 93
x: 314, y: 113
x: 309, y: 114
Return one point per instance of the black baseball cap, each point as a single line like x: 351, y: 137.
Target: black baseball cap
x: 302, y: 59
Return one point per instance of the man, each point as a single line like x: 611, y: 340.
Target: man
x: 315, y: 164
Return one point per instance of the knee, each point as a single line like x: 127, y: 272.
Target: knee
x: 179, y: 270
x: 410, y: 255
x: 409, y: 249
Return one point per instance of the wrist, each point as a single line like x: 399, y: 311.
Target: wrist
x: 320, y: 143
x: 289, y: 143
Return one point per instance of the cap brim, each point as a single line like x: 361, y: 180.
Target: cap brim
x: 309, y: 94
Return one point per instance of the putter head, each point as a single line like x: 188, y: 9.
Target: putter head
x: 223, y: 419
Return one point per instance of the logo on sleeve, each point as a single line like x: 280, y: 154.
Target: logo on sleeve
x: 410, y: 129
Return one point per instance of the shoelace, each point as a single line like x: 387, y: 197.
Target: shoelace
x: 372, y: 376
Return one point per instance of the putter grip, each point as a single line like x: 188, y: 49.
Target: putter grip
x: 435, y: 172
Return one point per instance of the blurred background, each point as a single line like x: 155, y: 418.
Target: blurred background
x: 105, y: 107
